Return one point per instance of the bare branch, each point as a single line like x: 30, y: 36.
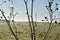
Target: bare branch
x: 28, y: 19
x: 9, y: 25
x: 49, y: 7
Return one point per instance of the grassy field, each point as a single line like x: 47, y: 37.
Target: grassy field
x: 23, y: 34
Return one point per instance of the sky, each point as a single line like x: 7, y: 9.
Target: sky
x: 39, y: 8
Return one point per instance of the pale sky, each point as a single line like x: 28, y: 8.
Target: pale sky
x: 39, y: 8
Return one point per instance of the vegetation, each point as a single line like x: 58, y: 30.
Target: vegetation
x: 23, y: 34
x: 31, y: 30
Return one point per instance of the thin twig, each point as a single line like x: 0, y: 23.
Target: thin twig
x: 9, y: 25
x: 28, y: 19
x: 33, y: 27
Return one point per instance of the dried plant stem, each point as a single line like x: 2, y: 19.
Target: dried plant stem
x: 8, y: 23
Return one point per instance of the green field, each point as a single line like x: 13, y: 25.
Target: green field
x: 23, y: 33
